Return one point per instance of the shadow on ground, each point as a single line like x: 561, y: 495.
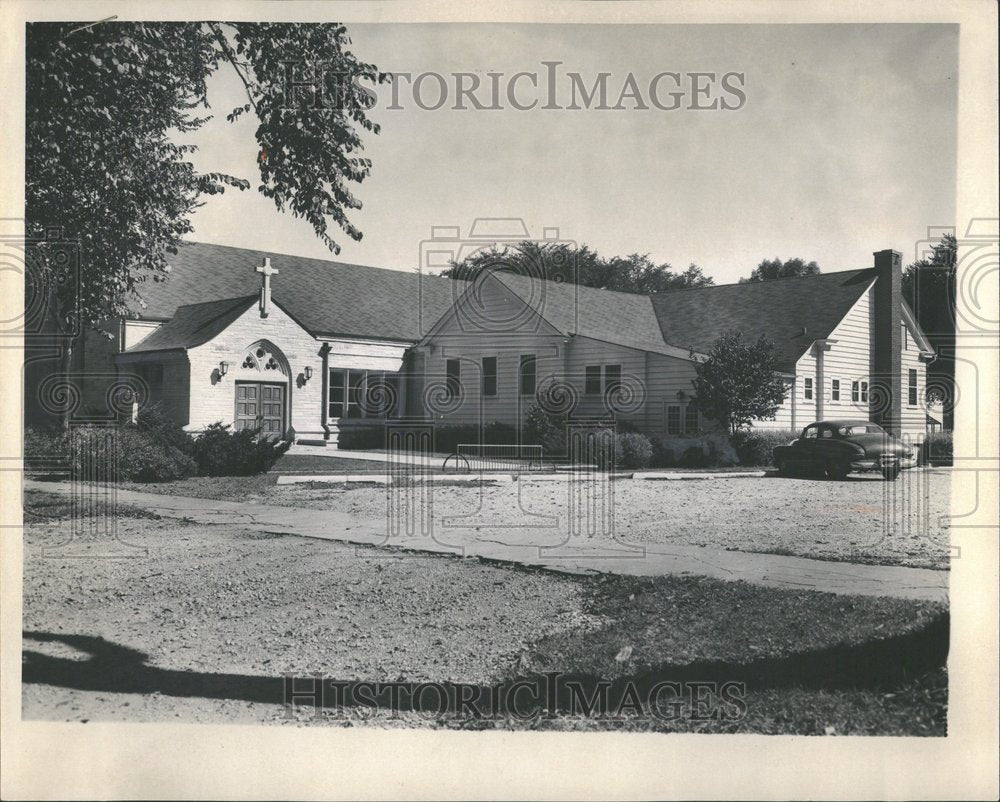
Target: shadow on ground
x: 112, y: 668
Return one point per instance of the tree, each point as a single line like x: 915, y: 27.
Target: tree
x: 774, y: 268
x: 929, y: 287
x: 737, y: 383
x: 558, y: 261
x: 107, y: 110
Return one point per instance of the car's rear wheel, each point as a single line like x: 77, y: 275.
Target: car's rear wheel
x: 838, y: 470
x: 890, y: 473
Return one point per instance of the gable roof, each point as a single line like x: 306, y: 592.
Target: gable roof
x: 331, y: 299
x: 327, y: 298
x: 620, y: 318
x: 194, y: 324
x: 791, y: 312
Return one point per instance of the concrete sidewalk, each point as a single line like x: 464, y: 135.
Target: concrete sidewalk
x: 547, y: 548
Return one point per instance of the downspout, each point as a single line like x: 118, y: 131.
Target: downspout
x: 324, y: 352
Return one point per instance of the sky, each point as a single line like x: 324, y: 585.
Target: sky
x: 845, y: 145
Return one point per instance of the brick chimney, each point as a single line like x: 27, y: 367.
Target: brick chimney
x: 886, y: 390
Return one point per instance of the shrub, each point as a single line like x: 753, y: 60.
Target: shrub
x: 365, y: 437
x: 939, y: 448
x: 154, y: 420
x: 220, y: 451
x: 594, y: 447
x: 754, y: 447
x: 663, y: 457
x: 140, y: 456
x: 633, y: 450
x: 695, y: 457
x: 545, y: 429
x: 44, y: 448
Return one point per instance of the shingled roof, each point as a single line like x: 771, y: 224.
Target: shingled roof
x: 327, y: 298
x: 337, y: 299
x: 791, y: 312
x: 194, y: 324
x: 622, y: 318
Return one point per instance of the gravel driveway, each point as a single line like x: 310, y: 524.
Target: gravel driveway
x: 862, y: 519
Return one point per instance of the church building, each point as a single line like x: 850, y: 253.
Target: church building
x: 303, y: 348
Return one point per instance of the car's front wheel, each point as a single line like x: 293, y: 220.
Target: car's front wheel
x: 890, y: 473
x: 781, y: 465
x: 838, y: 470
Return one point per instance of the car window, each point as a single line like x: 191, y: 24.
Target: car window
x: 809, y: 432
x: 861, y: 428
x: 826, y: 432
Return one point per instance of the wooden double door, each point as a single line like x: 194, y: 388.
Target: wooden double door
x: 260, y: 405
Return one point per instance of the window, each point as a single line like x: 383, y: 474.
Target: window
x: 690, y: 420
x: 826, y: 432
x: 859, y: 392
x: 489, y: 375
x: 835, y: 389
x: 355, y: 393
x: 810, y: 432
x: 527, y: 374
x: 861, y: 428
x: 673, y: 420
x: 592, y: 380
x: 864, y: 392
x: 612, y: 378
x: 337, y: 380
x: 362, y: 394
x: 903, y: 338
x: 453, y: 377
x: 809, y: 387
x: 912, y: 388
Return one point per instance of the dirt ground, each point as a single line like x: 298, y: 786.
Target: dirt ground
x: 862, y: 519
x: 205, y: 624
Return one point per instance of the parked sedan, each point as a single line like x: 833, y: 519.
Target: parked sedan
x: 839, y: 447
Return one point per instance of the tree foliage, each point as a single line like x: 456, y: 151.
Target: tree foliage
x: 929, y: 289
x: 774, y: 268
x: 558, y: 261
x: 107, y: 110
x: 738, y: 382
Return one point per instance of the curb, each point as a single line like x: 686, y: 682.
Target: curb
x: 465, y: 479
x: 668, y: 476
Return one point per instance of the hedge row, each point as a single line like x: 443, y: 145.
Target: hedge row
x: 154, y: 450
x: 629, y: 449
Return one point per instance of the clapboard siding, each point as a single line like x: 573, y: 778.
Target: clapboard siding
x: 848, y: 360
x: 631, y: 403
x: 913, y: 420
x: 666, y: 376
x: 497, y: 323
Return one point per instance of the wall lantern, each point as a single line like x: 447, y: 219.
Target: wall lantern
x: 309, y: 372
x: 223, y: 368
x: 681, y: 395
